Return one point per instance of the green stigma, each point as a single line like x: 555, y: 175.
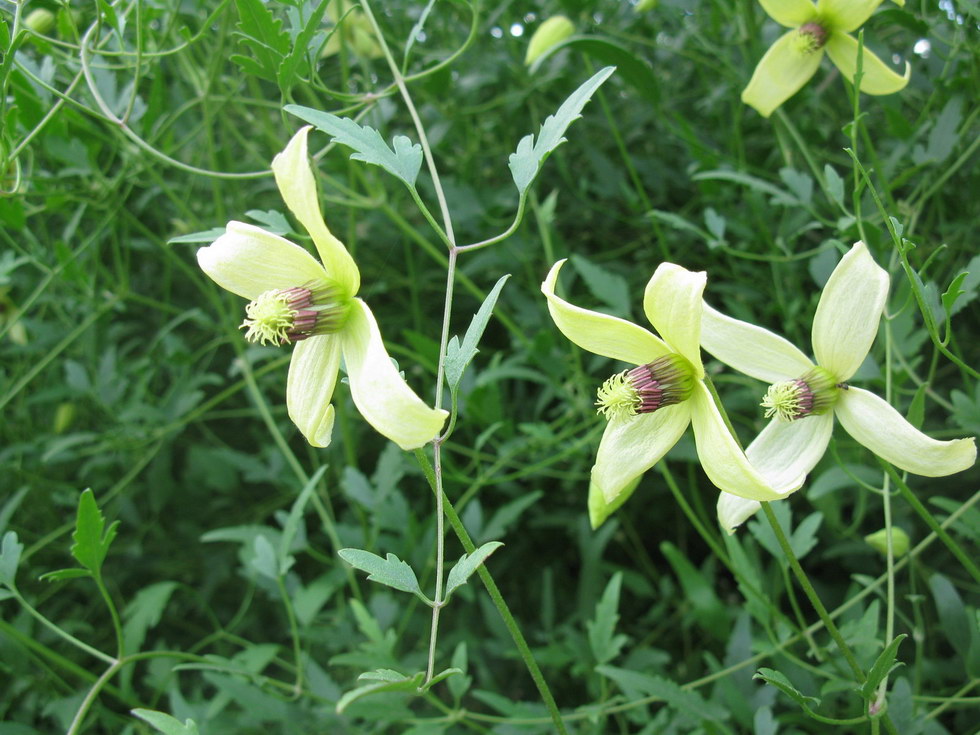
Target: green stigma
x: 814, y: 393
x: 269, y: 318
x: 617, y: 398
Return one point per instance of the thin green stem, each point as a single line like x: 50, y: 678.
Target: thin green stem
x: 293, y: 634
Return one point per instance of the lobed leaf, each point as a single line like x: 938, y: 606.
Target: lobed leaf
x: 467, y: 564
x: 91, y: 543
x: 403, y: 161
x: 460, y: 354
x: 391, y: 570
x: 165, y: 723
x: 531, y: 153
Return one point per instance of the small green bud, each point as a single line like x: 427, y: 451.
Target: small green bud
x: 645, y: 5
x: 879, y: 541
x: 40, y: 20
x: 550, y: 33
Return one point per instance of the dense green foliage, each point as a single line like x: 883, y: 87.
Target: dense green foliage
x: 207, y: 549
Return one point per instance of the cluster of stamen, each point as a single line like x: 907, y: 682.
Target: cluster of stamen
x: 813, y: 394
x: 646, y: 388
x: 283, y: 316
x: 810, y: 37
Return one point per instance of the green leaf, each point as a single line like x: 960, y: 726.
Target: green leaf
x: 165, y: 723
x: 262, y: 34
x: 635, y: 684
x: 970, y: 285
x: 405, y: 684
x: 709, y: 611
x: 943, y: 137
x: 610, y: 288
x: 404, y: 161
x: 799, y: 183
x: 144, y: 612
x: 779, y: 196
x: 295, y: 518
x: 91, y: 544
x: 530, y: 155
x: 835, y: 185
x: 391, y: 571
x: 779, y: 680
x: 883, y: 665
x: 605, y: 645
x: 63, y: 574
x: 467, y: 564
x: 265, y: 561
x: 459, y: 355
x: 444, y: 674
x: 286, y: 74
x: 634, y: 70
x: 506, y: 514
x: 204, y: 236
x: 953, y: 293
x: 10, y: 553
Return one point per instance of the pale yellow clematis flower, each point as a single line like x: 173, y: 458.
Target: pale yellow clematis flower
x: 649, y: 406
x: 805, y: 397
x: 296, y: 299
x: 794, y: 57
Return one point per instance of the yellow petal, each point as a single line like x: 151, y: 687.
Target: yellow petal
x: 723, y: 462
x: 600, y: 333
x: 309, y: 387
x: 883, y: 430
x: 630, y: 446
x: 790, y: 13
x: 846, y: 15
x: 249, y: 261
x: 878, y: 78
x: 780, y: 74
x: 298, y: 188
x: 750, y: 349
x: 379, y: 392
x: 849, y: 311
x: 672, y: 302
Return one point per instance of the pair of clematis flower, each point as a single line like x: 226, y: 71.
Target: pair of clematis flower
x: 649, y: 406
x: 794, y: 57
x: 296, y: 299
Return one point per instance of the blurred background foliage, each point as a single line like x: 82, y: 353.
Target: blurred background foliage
x: 129, y: 125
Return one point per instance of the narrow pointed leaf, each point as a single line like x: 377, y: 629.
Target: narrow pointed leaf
x: 444, y: 674
x: 403, y: 161
x: 391, y: 571
x: 779, y: 680
x: 460, y: 354
x: 10, y: 553
x: 404, y: 685
x: 91, y: 544
x: 166, y: 724
x: 635, y: 684
x: 467, y: 564
x: 530, y: 155
x: 883, y: 665
x: 63, y: 574
x: 604, y: 643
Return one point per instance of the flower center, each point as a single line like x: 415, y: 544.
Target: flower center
x: 646, y: 388
x: 288, y: 315
x: 810, y: 37
x: 813, y: 394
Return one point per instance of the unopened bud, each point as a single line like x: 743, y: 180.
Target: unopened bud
x: 549, y: 34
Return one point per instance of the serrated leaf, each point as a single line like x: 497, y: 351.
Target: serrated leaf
x: 405, y: 685
x: 953, y: 293
x: 91, y: 544
x: 634, y: 683
x: 883, y: 665
x: 270, y: 220
x: 531, y: 153
x: 467, y: 564
x: 779, y: 680
x: 10, y: 553
x: 460, y: 354
x: 403, y: 161
x: 144, y: 612
x: 970, y: 285
x: 262, y: 33
x: 610, y: 288
x: 165, y: 723
x: 391, y: 570
x: 602, y: 639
